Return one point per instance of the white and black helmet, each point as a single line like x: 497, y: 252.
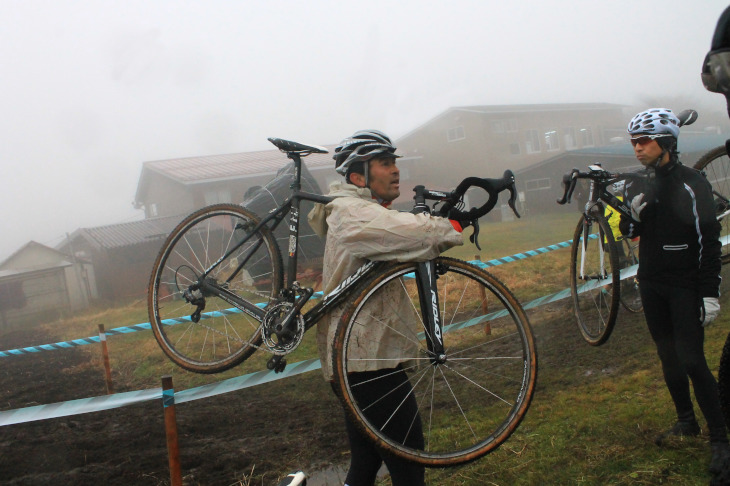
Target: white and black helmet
x: 361, y: 147
x: 655, y: 121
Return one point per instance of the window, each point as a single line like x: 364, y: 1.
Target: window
x: 215, y: 196
x: 569, y: 138
x: 552, y: 142
x: 514, y: 149
x: 153, y: 211
x: 586, y: 137
x: 537, y: 184
x: 456, y: 133
x: 504, y: 126
x: 532, y: 141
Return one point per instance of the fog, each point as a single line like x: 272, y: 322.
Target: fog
x: 90, y: 90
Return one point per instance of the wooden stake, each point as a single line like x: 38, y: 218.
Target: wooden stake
x: 173, y: 451
x: 105, y: 356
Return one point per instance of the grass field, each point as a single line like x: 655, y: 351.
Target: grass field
x: 596, y: 410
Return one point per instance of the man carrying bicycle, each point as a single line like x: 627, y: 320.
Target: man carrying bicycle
x: 679, y: 272
x: 359, y: 227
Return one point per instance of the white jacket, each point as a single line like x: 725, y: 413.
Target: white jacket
x: 359, y: 229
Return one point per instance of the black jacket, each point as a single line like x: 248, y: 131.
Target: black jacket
x: 679, y: 231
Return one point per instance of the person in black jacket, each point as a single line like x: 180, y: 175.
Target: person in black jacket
x: 679, y: 272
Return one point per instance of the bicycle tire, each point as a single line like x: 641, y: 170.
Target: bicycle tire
x: 716, y: 166
x: 596, y: 295
x: 471, y: 403
x: 224, y: 336
x: 630, y: 296
x: 723, y: 380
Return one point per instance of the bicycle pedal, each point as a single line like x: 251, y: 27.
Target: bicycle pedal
x: 280, y: 366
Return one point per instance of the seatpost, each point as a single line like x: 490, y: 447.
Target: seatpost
x: 296, y: 186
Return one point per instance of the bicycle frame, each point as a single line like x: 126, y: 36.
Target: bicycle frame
x: 425, y: 274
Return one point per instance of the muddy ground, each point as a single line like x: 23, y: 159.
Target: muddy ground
x: 222, y: 439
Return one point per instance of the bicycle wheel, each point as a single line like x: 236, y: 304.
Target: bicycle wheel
x: 630, y: 295
x: 224, y: 336
x: 594, y: 279
x: 435, y: 414
x: 716, y: 166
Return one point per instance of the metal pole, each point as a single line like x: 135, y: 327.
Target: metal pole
x: 105, y: 355
x: 173, y: 451
x: 485, y: 304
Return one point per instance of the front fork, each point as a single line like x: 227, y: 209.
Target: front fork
x: 426, y: 277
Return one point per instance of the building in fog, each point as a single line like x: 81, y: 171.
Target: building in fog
x: 484, y: 141
x: 122, y: 254
x: 38, y: 282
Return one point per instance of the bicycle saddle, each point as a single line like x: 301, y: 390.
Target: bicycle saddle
x: 296, y: 147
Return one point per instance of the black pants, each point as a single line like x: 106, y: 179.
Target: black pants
x: 366, y: 458
x: 673, y: 316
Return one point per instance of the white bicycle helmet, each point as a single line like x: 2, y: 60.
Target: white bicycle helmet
x: 655, y: 121
x: 361, y: 147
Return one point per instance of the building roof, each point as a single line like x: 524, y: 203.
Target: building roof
x: 537, y: 108
x: 529, y: 108
x: 213, y: 168
x: 126, y: 234
x: 7, y: 266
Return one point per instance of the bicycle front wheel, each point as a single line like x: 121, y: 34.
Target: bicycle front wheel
x: 594, y: 279
x: 223, y: 336
x: 716, y: 166
x: 436, y: 413
x: 629, y: 259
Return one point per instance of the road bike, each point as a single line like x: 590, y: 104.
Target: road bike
x: 600, y: 270
x: 598, y: 273
x: 217, y: 295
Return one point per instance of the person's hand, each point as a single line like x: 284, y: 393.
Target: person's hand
x: 709, y: 310
x: 637, y: 206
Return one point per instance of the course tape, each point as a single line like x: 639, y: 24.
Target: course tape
x: 146, y: 326
x: 107, y: 402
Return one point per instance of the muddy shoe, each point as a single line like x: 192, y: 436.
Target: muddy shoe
x: 680, y: 429
x: 720, y: 457
x: 297, y: 478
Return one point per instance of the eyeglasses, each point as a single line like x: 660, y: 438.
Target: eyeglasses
x: 644, y: 139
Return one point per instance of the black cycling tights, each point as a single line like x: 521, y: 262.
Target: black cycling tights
x: 673, y: 317
x: 366, y: 458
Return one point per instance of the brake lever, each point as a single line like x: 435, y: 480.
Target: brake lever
x: 474, y: 237
x: 569, y: 182
x: 512, y: 198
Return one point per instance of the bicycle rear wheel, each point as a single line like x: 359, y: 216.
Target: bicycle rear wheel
x: 436, y: 414
x: 594, y: 279
x: 716, y: 166
x: 224, y: 336
x: 630, y: 295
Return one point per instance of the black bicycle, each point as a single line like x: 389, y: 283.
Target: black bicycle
x: 596, y: 269
x: 217, y: 295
